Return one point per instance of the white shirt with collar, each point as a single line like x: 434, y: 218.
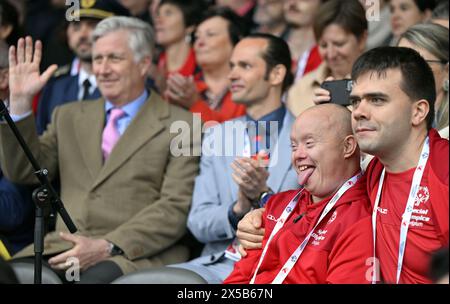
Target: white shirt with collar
x: 82, y: 76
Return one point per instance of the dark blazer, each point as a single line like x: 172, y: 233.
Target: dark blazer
x: 16, y: 215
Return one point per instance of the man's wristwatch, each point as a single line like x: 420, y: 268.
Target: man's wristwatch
x: 261, y: 200
x: 114, y: 250
x: 264, y: 197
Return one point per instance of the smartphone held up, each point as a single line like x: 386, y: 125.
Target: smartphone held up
x: 339, y: 91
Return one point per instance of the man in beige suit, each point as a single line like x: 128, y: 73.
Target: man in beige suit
x: 130, y: 203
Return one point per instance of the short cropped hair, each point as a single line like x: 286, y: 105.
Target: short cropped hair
x: 277, y: 52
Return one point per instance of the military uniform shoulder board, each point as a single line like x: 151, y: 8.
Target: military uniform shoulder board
x: 61, y: 71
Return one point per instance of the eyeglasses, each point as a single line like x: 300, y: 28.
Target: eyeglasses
x: 436, y: 61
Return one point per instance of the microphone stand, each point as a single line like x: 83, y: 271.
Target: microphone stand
x: 43, y: 197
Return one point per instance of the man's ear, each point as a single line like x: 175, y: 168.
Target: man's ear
x: 350, y: 146
x: 420, y: 110
x: 427, y: 15
x: 277, y: 74
x: 4, y: 79
x: 4, y: 83
x: 5, y: 31
x: 189, y: 31
x: 145, y: 65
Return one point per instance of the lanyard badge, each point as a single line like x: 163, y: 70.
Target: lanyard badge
x: 287, y: 267
x: 406, y: 217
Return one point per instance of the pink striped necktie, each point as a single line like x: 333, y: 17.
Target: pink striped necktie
x: 111, y: 133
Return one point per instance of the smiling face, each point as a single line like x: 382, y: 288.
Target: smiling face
x: 318, y: 154
x: 119, y: 77
x: 249, y: 84
x: 340, y: 49
x: 382, y: 113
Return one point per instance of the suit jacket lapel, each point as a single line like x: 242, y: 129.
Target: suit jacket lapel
x: 143, y: 127
x: 281, y: 157
x: 89, y: 127
x: 95, y: 94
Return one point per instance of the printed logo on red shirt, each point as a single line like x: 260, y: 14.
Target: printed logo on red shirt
x: 270, y: 217
x: 318, y: 237
x: 420, y: 211
x: 423, y: 195
x: 382, y: 210
x: 332, y: 218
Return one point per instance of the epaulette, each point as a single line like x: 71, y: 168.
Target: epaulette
x: 62, y: 71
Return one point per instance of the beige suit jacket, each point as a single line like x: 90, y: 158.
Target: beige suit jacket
x: 138, y: 199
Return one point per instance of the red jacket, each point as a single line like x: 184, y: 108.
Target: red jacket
x: 313, y: 62
x: 226, y: 111
x: 337, y: 253
x: 436, y: 174
x: 189, y: 67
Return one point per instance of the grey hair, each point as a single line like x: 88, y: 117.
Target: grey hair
x: 141, y: 37
x: 431, y: 37
x: 4, y: 52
